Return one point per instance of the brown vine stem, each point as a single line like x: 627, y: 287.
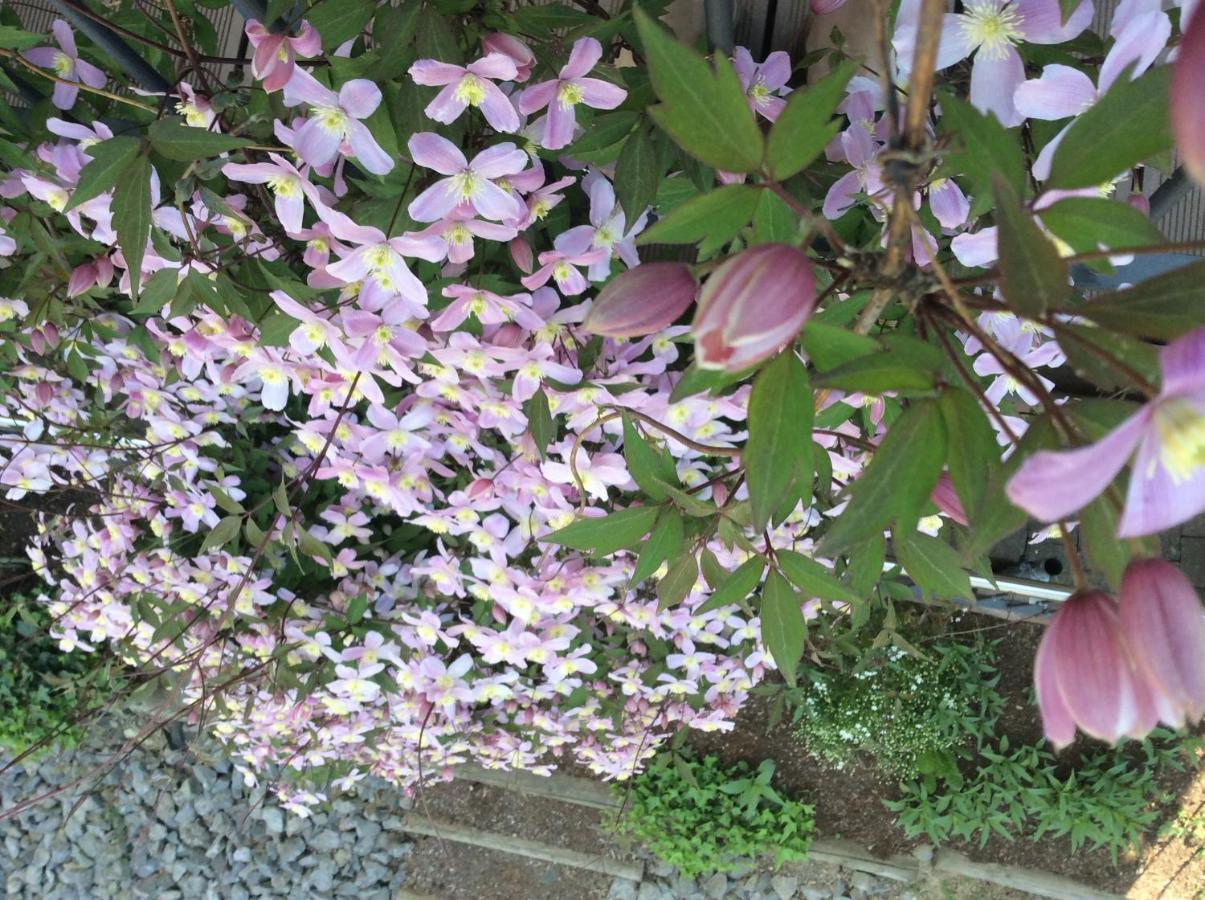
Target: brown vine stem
x: 23, y: 62
x: 1072, y: 554
x: 910, y: 141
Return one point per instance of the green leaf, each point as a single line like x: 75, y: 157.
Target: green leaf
x: 1098, y: 536
x: 637, y: 173
x: 804, y: 126
x: 15, y: 39
x: 276, y: 328
x: 1163, y: 307
x: 222, y: 533
x: 132, y: 215
x: 773, y: 221
x: 705, y: 112
x: 828, y: 346
x: 540, y: 424
x: 933, y: 564
x: 1088, y: 223
x: 982, y: 149
x: 779, y: 447
x: 1034, y: 278
x: 1126, y: 126
x: 651, y: 469
x: 110, y: 161
x: 718, y: 214
x: 1066, y: 8
x: 603, y: 535
x: 225, y: 501
x: 356, y: 608
x: 782, y: 625
x: 903, y: 364
x: 976, y: 454
x: 337, y: 21
x: 1099, y: 356
x: 897, y: 483
x: 737, y: 586
x: 605, y: 130
x: 813, y: 578
x: 663, y: 543
x: 173, y: 139
x: 678, y: 581
x: 311, y: 546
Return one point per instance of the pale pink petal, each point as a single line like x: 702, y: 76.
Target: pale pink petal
x: 993, y: 83
x: 498, y: 109
x: 360, y: 97
x: 446, y: 107
x: 772, y: 107
x: 776, y: 70
x: 65, y: 37
x: 841, y: 195
x: 308, y: 42
x: 1052, y: 484
x: 290, y: 209
x: 1061, y: 92
x: 955, y: 46
x: 491, y: 202
x: 498, y: 160
x: 368, y: 152
x: 1183, y: 364
x: 264, y: 59
x: 746, y: 68
x: 1057, y: 724
x: 1041, y: 165
x: 600, y: 94
x: 949, y: 204
x: 89, y: 74
x: 1140, y: 42
x: 64, y: 95
x: 583, y: 57
x: 497, y: 66
x: 537, y: 96
x: 305, y: 88
x: 432, y: 72
x: 561, y: 121
x: 433, y: 151
x: 1156, y: 500
x: 41, y: 56
x: 1042, y: 20
x: 435, y: 202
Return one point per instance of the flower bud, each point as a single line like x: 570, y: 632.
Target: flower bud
x: 1188, y: 97
x: 1084, y: 677
x: 947, y: 500
x: 511, y: 46
x: 642, y: 300
x: 823, y: 7
x: 752, y: 306
x: 1163, y: 627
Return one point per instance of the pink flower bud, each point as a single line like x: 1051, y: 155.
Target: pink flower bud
x: 511, y: 46
x: 752, y: 306
x: 37, y: 342
x: 642, y: 300
x: 1163, y: 626
x: 1188, y: 98
x: 521, y: 253
x: 823, y: 7
x: 1084, y: 676
x: 947, y: 500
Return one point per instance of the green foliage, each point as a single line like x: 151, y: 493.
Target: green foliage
x: 1163, y: 307
x: 701, y: 816
x: 1108, y: 800
x: 1033, y: 277
x: 911, y: 713
x: 42, y: 689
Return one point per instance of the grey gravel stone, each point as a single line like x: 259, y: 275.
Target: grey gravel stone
x: 716, y: 887
x: 784, y: 886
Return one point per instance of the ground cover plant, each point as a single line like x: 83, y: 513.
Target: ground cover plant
x: 700, y: 815
x: 393, y: 445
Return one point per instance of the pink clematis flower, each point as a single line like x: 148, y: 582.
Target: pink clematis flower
x: 991, y: 29
x: 471, y: 85
x: 66, y: 64
x: 763, y: 82
x: 1063, y: 91
x: 335, y: 120
x: 564, y: 93
x: 1167, y: 485
x: 570, y: 249
x: 275, y: 54
x: 289, y: 186
x: 467, y: 183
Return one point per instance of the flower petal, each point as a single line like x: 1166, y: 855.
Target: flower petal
x: 1156, y: 500
x: 600, y: 94
x: 1052, y: 484
x: 993, y: 84
x: 1042, y: 20
x: 360, y: 97
x: 583, y: 57
x: 433, y: 151
x: 1061, y: 92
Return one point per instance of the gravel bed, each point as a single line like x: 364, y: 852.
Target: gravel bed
x: 182, y: 824
x: 796, y: 881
